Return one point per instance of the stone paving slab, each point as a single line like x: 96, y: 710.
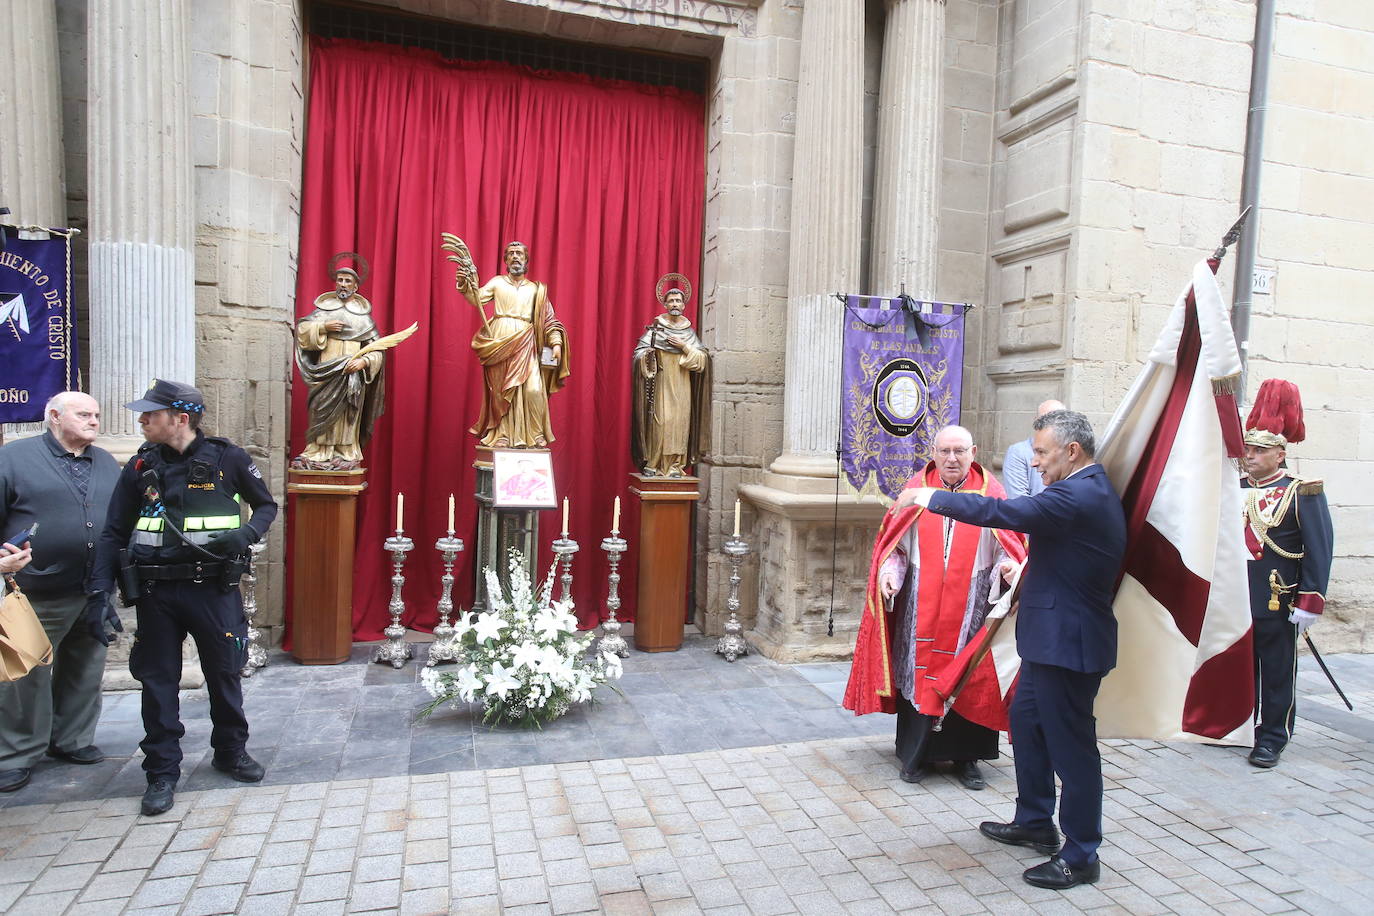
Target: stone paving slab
x: 821, y: 826
x: 358, y: 720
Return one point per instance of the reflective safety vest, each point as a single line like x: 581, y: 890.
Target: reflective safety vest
x: 207, y: 507
x: 152, y: 532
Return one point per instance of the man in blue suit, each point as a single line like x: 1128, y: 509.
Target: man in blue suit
x: 1066, y: 636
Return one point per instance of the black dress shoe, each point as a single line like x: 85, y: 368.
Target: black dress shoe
x: 915, y: 774
x: 970, y: 775
x: 14, y: 780
x: 88, y: 754
x: 1058, y: 875
x: 1264, y: 757
x: 239, y: 766
x: 159, y: 796
x: 1041, y: 839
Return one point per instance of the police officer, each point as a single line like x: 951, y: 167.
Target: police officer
x: 174, y: 538
x: 1289, y: 536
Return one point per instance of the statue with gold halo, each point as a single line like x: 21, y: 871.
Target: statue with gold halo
x: 522, y: 348
x: 671, y: 424
x: 340, y: 358
x: 345, y: 384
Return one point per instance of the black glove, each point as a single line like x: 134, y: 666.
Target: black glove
x: 99, y: 613
x: 231, y: 543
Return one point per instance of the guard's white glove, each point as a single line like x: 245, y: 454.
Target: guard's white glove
x: 1302, y: 619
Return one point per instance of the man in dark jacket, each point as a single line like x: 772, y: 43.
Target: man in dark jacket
x: 1066, y: 636
x: 62, y: 482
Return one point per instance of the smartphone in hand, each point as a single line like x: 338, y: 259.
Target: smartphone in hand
x: 25, y: 535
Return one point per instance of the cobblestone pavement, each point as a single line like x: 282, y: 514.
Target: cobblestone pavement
x: 811, y: 826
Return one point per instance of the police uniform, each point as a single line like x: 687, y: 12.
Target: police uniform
x: 1289, y: 535
x: 182, y: 586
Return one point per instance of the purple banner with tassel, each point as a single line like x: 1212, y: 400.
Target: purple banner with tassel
x: 902, y: 376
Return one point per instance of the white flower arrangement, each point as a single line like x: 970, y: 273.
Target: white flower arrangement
x: 524, y: 659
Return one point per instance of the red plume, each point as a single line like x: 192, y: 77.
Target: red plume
x: 1278, y: 409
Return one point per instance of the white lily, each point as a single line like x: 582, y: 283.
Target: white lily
x: 500, y: 681
x: 467, y: 682
x: 553, y: 664
x: 462, y: 624
x: 548, y: 623
x: 527, y: 655
x: 488, y: 626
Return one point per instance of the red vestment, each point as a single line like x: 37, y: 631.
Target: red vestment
x: 942, y: 597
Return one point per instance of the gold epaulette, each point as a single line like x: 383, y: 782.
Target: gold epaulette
x: 1311, y: 487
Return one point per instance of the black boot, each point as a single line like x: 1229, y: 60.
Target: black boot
x: 239, y: 766
x: 159, y: 796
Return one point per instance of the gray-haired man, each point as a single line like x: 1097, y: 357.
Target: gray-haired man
x: 62, y: 481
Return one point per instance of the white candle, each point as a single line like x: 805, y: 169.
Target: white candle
x: 450, y: 512
x: 400, y: 511
x: 737, y: 518
x: 565, y: 516
x: 615, y: 520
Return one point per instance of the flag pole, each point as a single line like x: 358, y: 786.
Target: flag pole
x: 992, y: 627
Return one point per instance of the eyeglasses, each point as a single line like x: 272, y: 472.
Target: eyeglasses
x: 956, y: 452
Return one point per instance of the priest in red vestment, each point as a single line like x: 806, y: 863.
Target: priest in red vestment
x: 929, y: 582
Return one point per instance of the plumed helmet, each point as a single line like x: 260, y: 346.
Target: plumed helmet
x: 1276, y: 416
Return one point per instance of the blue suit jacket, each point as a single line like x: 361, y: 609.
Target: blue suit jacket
x: 1077, y: 539
x: 1018, y: 477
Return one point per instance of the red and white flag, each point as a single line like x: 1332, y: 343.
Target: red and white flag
x: 1184, y: 666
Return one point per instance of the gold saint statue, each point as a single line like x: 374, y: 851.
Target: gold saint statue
x: 522, y: 348
x: 345, y: 385
x: 672, y: 389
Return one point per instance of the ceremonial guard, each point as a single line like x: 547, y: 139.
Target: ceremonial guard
x: 1288, y: 534
x: 175, y: 539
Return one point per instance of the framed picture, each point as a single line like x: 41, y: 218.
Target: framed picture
x: 522, y: 479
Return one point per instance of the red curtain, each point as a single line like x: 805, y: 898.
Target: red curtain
x: 603, y: 180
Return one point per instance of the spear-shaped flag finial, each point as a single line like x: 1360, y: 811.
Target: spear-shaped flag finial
x: 1232, y: 235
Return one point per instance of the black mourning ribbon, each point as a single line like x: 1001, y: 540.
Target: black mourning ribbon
x: 915, y: 324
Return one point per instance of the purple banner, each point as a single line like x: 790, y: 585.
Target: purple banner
x: 37, y: 351
x: 902, y: 375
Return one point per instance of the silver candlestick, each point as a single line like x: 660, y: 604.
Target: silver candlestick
x: 396, y: 650
x: 445, y: 647
x: 732, y: 644
x: 563, y: 549
x: 257, y: 655
x: 611, y: 640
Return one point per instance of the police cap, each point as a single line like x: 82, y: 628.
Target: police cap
x: 162, y: 394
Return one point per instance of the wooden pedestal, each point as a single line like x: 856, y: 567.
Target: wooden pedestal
x: 322, y: 563
x: 665, y: 558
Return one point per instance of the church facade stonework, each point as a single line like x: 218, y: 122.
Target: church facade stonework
x: 1059, y: 163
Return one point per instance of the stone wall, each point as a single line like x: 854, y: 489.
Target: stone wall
x: 1317, y: 232
x: 751, y: 113
x: 1121, y: 128
x: 247, y: 135
x: 970, y: 84
x: 1025, y: 351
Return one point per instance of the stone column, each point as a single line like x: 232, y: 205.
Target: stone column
x: 825, y: 233
x: 794, y: 525
x: 906, y: 196
x: 142, y: 214
x: 31, y: 112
